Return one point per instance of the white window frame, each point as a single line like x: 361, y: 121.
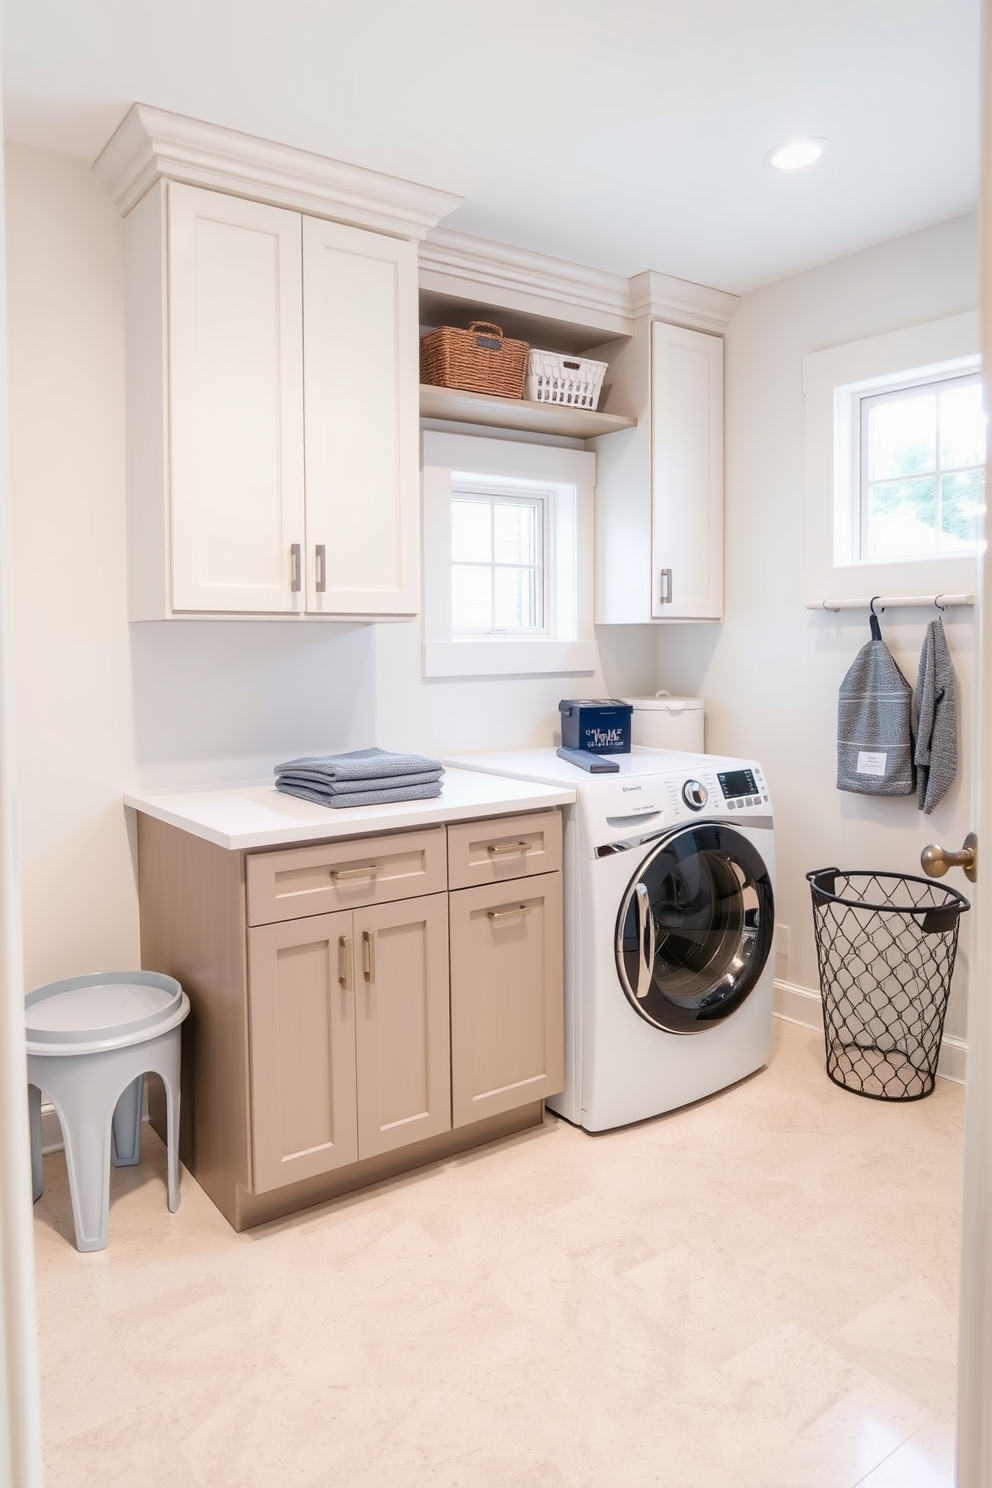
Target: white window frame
x: 540, y: 495
x: 835, y: 381
x: 568, y: 478
x: 861, y: 484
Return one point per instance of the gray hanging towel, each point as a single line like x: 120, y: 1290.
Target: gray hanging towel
x: 874, y: 724
x: 937, y: 726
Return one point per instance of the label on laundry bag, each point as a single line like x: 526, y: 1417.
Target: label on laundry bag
x: 871, y: 764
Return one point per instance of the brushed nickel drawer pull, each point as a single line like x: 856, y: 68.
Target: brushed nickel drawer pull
x: 346, y: 966
x: 509, y: 914
x: 295, y: 568
x: 507, y: 847
x: 368, y: 954
x: 320, y: 555
x: 368, y: 871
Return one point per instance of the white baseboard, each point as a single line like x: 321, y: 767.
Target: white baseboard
x: 798, y: 1005
x: 51, y: 1132
x: 953, y: 1061
x: 802, y: 1005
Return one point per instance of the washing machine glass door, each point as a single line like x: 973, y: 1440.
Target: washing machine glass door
x: 695, y: 928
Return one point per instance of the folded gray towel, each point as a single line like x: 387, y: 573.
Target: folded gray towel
x: 370, y: 797
x: 360, y: 764
x: 937, y: 726
x: 317, y: 781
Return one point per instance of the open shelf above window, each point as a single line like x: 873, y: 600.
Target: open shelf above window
x: 514, y: 413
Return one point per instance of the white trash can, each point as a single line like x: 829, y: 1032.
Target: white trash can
x: 665, y: 722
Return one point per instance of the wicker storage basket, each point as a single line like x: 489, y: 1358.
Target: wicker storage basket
x: 479, y: 360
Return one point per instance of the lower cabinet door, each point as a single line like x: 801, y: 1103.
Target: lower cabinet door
x: 402, y: 1024
x: 507, y: 996
x: 302, y: 1030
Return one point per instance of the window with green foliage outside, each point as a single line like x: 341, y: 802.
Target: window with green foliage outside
x: 922, y: 469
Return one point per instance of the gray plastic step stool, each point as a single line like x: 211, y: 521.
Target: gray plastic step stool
x: 90, y: 1041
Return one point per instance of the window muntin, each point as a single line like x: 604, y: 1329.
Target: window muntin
x: 922, y: 472
x: 499, y: 562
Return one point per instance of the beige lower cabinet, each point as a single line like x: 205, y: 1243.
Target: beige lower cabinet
x: 302, y: 1042
x: 507, y: 1028
x: 348, y: 1019
x: 401, y: 1023
x: 359, y: 1006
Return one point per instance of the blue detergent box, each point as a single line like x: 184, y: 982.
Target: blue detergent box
x: 601, y: 725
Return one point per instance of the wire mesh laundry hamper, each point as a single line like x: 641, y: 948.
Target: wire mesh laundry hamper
x: 885, y: 943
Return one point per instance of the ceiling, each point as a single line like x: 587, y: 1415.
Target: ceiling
x: 626, y: 135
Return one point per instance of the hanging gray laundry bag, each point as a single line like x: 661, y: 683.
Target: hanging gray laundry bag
x: 874, y: 728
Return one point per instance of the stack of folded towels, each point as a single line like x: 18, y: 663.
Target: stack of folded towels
x: 362, y: 777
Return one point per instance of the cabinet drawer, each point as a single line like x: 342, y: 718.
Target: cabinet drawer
x: 503, y: 847
x: 344, y: 875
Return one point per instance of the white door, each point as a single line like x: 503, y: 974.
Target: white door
x: 974, y: 1468
x: 361, y: 379
x: 686, y: 474
x: 235, y: 404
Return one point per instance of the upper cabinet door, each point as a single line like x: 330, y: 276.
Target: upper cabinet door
x: 235, y: 404
x: 686, y: 474
x: 361, y: 389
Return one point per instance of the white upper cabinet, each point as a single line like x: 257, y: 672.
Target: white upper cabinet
x: 272, y: 375
x: 659, y: 494
x: 686, y: 474
x: 273, y: 463
x: 361, y: 401
x: 235, y: 369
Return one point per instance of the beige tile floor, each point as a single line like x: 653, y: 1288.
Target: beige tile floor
x: 755, y: 1292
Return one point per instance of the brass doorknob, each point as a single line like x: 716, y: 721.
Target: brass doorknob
x: 936, y: 860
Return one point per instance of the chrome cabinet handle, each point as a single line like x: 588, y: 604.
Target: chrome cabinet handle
x: 665, y: 587
x: 295, y: 568
x: 368, y: 954
x: 320, y: 555
x: 509, y: 914
x: 368, y: 871
x: 346, y: 965
x: 507, y: 847
x: 645, y: 942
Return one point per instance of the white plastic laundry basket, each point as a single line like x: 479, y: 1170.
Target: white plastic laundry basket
x: 553, y: 378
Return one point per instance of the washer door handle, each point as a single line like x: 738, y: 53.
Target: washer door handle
x: 645, y: 941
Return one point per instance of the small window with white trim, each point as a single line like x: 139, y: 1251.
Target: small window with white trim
x: 508, y: 561
x: 499, y: 545
x: 920, y: 483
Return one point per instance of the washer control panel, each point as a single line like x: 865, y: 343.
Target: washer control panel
x: 742, y: 788
x: 695, y: 795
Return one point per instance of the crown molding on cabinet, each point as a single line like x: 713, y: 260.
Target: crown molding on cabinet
x: 151, y: 143
x: 458, y: 264
x: 681, y: 302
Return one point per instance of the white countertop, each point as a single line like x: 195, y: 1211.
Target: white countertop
x: 238, y: 817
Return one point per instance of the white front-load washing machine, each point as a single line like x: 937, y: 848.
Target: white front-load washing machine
x: 669, y: 871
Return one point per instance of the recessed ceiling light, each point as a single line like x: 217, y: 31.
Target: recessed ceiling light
x: 795, y: 154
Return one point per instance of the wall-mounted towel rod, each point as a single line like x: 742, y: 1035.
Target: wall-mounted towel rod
x: 894, y: 602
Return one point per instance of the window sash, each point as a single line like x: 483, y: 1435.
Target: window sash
x: 537, y: 573
x: 866, y: 485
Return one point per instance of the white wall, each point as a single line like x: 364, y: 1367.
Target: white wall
x: 770, y: 673
x: 101, y: 705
